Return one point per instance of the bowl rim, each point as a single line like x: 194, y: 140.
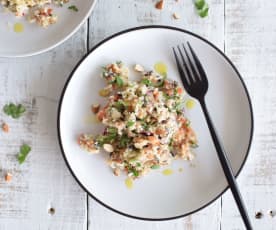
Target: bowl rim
x: 61, y: 41
x: 143, y: 28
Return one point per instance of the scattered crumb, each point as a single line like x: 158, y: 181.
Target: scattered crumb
x: 95, y: 108
x: 180, y: 170
x: 5, y: 127
x: 139, y: 68
x: 159, y: 5
x: 271, y: 213
x: 116, y: 172
x: 258, y: 215
x: 8, y: 177
x: 51, y: 211
x: 176, y: 16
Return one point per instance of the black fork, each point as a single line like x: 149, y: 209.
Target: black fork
x: 195, y: 83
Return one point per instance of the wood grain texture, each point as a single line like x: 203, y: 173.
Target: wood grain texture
x: 250, y: 43
x: 124, y: 14
x: 43, y: 181
x: 247, y: 31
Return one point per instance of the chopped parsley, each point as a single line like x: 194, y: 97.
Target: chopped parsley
x: 119, y: 63
x: 144, y: 125
x: 124, y: 140
x: 15, y: 111
x: 107, y: 138
x: 130, y: 123
x: 73, y: 8
x: 194, y: 144
x: 146, y: 81
x: 24, y: 151
x: 120, y: 106
x: 155, y: 167
x: 119, y: 81
x: 134, y: 172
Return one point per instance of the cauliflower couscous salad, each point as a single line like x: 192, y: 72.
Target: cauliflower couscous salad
x: 144, y: 123
x: 39, y: 11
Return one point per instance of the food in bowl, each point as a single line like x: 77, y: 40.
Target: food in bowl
x: 145, y: 126
x: 39, y: 11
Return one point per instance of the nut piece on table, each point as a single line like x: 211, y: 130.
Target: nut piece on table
x: 176, y: 16
x: 139, y: 68
x: 8, y: 177
x: 258, y: 215
x: 159, y: 5
x: 95, y: 108
x: 5, y: 127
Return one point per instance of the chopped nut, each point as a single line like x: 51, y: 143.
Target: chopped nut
x: 108, y: 148
x: 87, y: 143
x: 271, y: 213
x: 159, y: 5
x: 95, y: 108
x: 5, y: 127
x: 139, y: 68
x: 51, y: 211
x: 116, y: 172
x: 258, y: 215
x: 8, y: 177
x: 176, y: 16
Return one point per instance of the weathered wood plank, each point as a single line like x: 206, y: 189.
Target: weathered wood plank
x: 43, y: 181
x: 250, y: 43
x: 123, y: 14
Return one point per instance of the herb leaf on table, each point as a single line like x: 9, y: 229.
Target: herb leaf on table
x: 24, y: 151
x: 15, y: 111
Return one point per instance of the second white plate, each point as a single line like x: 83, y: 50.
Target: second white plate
x: 34, y: 39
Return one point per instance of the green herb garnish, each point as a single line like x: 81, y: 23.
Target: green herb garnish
x: 179, y: 107
x: 119, y: 63
x: 15, y: 111
x: 73, y: 8
x: 146, y: 81
x: 131, y: 169
x: 155, y: 167
x: 124, y: 140
x: 194, y: 144
x: 119, y: 81
x: 144, y: 125
x: 119, y: 105
x: 107, y: 138
x: 202, y: 8
x: 134, y: 171
x: 24, y: 151
x: 130, y: 123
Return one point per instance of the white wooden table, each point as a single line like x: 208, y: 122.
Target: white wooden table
x: 244, y: 30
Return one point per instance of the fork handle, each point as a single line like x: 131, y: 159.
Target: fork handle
x: 226, y: 168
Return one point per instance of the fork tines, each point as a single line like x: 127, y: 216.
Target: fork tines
x: 189, y: 65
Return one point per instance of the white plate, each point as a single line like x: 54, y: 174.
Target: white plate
x: 34, y: 39
x: 158, y: 197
